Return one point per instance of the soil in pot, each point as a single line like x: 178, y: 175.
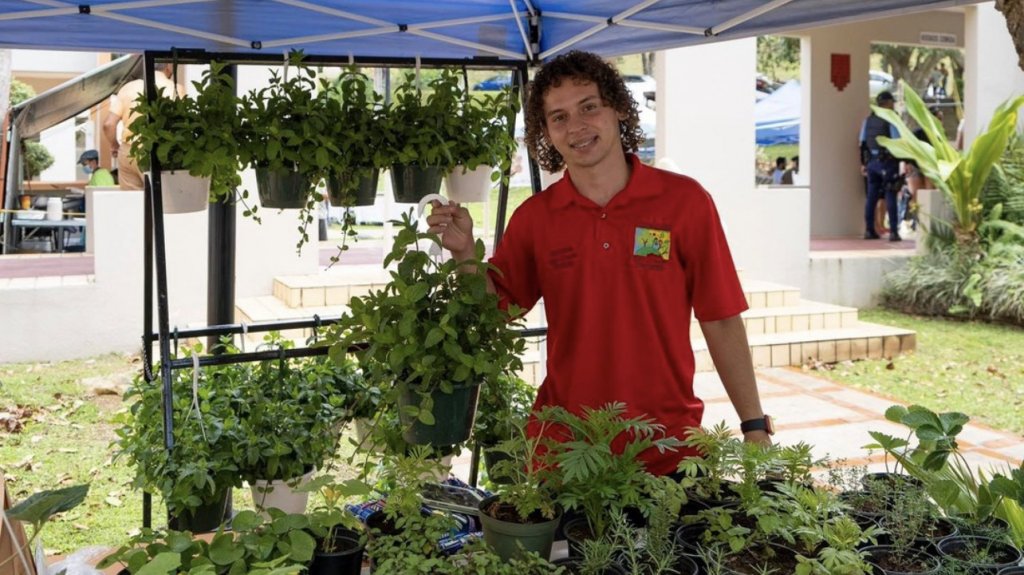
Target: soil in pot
x: 345, y: 559
x: 893, y: 561
x: 979, y: 554
x: 574, y: 566
x: 760, y: 559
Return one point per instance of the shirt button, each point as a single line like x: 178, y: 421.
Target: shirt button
x: 606, y: 246
x: 604, y: 216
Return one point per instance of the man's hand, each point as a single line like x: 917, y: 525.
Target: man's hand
x: 758, y: 436
x: 455, y: 226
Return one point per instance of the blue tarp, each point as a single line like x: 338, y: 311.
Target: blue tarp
x: 426, y: 28
x: 777, y: 117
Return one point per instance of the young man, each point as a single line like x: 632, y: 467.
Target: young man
x: 90, y: 160
x: 621, y: 253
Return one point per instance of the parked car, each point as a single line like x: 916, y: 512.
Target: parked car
x: 642, y: 87
x: 497, y: 82
x: 878, y: 81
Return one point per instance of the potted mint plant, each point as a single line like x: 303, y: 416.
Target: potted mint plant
x: 355, y: 111
x: 194, y: 140
x: 419, y: 127
x: 433, y: 335
x: 483, y: 149
x: 196, y: 476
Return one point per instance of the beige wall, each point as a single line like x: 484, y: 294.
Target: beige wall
x: 829, y: 134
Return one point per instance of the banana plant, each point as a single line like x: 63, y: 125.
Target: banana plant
x: 960, y: 176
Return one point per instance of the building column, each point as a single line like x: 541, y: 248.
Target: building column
x: 991, y: 73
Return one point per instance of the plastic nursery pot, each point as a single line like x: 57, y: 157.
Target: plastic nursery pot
x: 282, y: 189
x: 469, y: 186
x: 889, y: 560
x: 365, y: 193
x: 574, y: 566
x: 506, y: 537
x: 491, y: 458
x: 453, y: 415
x: 206, y: 517
x: 184, y: 193
x: 1015, y: 570
x: 346, y: 559
x: 978, y: 554
x: 411, y: 182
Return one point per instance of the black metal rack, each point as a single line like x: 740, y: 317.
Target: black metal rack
x: 222, y: 245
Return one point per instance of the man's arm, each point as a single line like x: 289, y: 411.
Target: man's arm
x: 455, y: 226
x: 110, y: 123
x: 727, y: 343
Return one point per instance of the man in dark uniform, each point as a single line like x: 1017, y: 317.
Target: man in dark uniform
x: 881, y: 169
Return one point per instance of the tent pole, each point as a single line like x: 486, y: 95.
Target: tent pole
x: 733, y: 22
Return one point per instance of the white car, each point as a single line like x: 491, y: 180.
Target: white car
x: 878, y: 81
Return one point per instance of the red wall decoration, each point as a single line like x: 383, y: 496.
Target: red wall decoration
x: 840, y: 71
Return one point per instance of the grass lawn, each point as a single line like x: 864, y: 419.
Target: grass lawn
x: 972, y: 367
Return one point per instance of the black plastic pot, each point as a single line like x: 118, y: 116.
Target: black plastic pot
x: 347, y: 558
x: 573, y: 565
x: 453, y: 415
x: 411, y: 182
x: 282, y: 189
x: 207, y: 517
x: 878, y: 554
x: 964, y: 550
x: 365, y: 193
x: 1015, y: 570
x: 491, y: 458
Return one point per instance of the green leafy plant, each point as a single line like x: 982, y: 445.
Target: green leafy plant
x: 707, y: 473
x: 420, y: 125
x: 529, y: 471
x: 278, y: 546
x: 193, y: 134
x: 485, y: 138
x: 961, y: 177
x: 649, y: 551
x: 37, y: 510
x: 431, y: 328
x: 34, y: 156
x: 503, y: 409
x: 328, y: 518
x: 206, y: 428
x: 355, y: 113
x: 596, y: 479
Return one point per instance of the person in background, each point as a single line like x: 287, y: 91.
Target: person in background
x: 789, y: 176
x: 122, y: 113
x: 623, y: 255
x: 90, y: 161
x: 780, y: 170
x: 881, y: 168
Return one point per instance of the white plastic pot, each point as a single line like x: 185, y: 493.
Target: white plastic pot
x: 474, y: 186
x: 184, y: 193
x: 281, y: 494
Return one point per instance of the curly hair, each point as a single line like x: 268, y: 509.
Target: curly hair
x: 586, y: 67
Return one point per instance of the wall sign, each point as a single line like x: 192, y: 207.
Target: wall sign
x: 840, y: 71
x: 937, y: 38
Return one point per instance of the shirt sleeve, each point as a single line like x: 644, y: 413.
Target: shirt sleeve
x: 894, y: 133
x: 515, y: 279
x: 714, y: 286
x: 863, y: 129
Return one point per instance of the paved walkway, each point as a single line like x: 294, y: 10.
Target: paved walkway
x: 835, y: 420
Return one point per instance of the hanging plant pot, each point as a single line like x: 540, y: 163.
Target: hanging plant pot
x: 453, y: 415
x: 184, y: 193
x: 207, y: 517
x: 411, y: 182
x: 491, y: 458
x: 472, y: 186
x: 365, y: 193
x: 281, y: 494
x: 345, y: 559
x: 511, y: 539
x: 282, y: 189
x: 978, y: 554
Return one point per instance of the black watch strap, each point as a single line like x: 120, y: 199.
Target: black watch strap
x: 759, y: 424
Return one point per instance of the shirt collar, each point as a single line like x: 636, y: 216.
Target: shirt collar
x: 640, y: 185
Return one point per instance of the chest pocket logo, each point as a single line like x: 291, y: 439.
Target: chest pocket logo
x: 652, y: 242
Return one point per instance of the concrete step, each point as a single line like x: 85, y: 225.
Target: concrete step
x: 862, y: 340
x: 762, y: 294
x: 806, y: 316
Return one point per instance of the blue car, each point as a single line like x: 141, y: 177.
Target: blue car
x: 499, y: 82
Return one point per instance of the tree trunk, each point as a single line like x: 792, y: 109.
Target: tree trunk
x: 648, y: 62
x: 1013, y: 11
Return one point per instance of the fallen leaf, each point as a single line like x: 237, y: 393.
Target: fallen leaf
x: 113, y: 501
x: 80, y: 527
x: 68, y: 450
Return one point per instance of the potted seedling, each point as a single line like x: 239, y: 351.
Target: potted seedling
x: 431, y: 337
x: 193, y: 139
x: 483, y: 149
x: 339, y: 536
x: 523, y: 516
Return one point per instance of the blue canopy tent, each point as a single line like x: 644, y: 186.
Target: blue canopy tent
x: 777, y: 117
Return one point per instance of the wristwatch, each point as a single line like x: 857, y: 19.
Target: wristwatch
x: 760, y: 424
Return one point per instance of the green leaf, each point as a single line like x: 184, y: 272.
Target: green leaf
x: 224, y: 551
x: 896, y: 413
x: 434, y: 336
x: 246, y: 520
x: 945, y: 492
x: 162, y: 564
x: 39, y: 507
x: 302, y: 544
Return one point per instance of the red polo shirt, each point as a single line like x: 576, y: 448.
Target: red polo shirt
x: 619, y: 283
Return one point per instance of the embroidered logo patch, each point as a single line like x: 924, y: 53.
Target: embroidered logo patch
x: 651, y: 242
